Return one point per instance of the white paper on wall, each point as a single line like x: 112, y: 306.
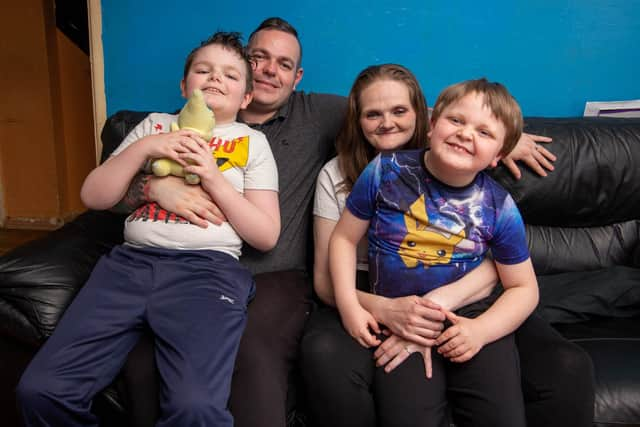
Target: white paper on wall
x: 612, y: 108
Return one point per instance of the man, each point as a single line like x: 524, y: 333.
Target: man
x: 301, y: 129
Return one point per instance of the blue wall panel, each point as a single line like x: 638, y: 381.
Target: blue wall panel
x: 554, y: 55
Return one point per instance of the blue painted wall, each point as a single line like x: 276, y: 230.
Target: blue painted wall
x: 554, y: 55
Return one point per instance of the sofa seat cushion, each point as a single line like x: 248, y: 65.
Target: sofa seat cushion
x: 617, y: 371
x: 583, y: 295
x: 39, y: 279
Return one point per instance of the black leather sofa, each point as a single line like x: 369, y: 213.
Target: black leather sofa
x: 583, y: 224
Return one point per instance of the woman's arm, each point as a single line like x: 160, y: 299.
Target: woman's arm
x: 472, y: 287
x: 322, y: 229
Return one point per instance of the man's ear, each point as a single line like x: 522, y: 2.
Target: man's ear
x: 299, y: 73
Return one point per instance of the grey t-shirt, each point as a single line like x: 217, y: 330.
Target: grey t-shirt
x: 302, y: 136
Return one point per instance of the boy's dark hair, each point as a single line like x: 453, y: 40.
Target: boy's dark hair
x: 496, y: 97
x: 279, y: 24
x: 231, y: 41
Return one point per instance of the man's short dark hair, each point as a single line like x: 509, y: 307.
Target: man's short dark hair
x: 279, y: 24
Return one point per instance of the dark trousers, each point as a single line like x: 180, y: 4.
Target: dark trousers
x: 195, y: 303
x: 267, y: 356
x: 343, y: 387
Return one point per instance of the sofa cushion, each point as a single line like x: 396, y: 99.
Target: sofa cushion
x: 583, y: 295
x: 40, y: 278
x: 596, y: 180
x: 617, y: 378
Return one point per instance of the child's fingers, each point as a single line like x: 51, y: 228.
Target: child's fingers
x: 373, y: 325
x: 371, y: 339
x: 362, y: 342
x: 453, y: 318
x: 191, y: 161
x: 452, y: 348
x: 448, y: 334
x: 193, y: 145
x: 367, y: 340
x: 189, y: 133
x: 467, y: 355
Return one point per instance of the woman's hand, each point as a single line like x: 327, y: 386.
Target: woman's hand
x: 462, y: 341
x: 189, y: 201
x: 395, y: 350
x: 412, y: 317
x: 534, y: 155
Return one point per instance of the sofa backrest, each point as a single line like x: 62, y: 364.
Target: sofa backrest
x: 585, y: 214
x: 116, y: 128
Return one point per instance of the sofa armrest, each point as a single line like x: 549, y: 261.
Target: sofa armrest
x: 39, y: 279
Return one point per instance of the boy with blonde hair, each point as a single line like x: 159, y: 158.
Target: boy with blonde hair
x: 431, y: 217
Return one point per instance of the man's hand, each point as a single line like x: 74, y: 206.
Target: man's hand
x: 534, y: 155
x: 413, y: 318
x: 462, y: 341
x: 189, y: 201
x: 359, y: 323
x: 395, y: 350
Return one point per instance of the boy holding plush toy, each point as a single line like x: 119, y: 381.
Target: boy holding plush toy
x: 182, y: 281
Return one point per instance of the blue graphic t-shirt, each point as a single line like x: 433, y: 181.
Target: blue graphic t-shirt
x: 423, y: 233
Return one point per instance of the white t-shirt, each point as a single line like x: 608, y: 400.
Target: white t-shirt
x: 245, y: 159
x: 329, y: 203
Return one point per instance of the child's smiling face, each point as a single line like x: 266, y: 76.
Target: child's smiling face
x: 221, y: 75
x: 465, y: 139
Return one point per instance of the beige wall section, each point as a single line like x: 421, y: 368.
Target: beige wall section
x: 45, y: 135
x: 97, y: 72
x: 77, y: 116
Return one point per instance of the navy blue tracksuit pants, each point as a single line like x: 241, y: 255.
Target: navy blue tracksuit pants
x: 194, y: 302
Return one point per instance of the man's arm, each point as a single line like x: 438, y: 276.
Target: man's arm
x: 173, y: 194
x: 136, y: 195
x: 534, y: 155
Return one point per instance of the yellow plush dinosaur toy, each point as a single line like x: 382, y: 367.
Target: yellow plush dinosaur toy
x: 195, y: 116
